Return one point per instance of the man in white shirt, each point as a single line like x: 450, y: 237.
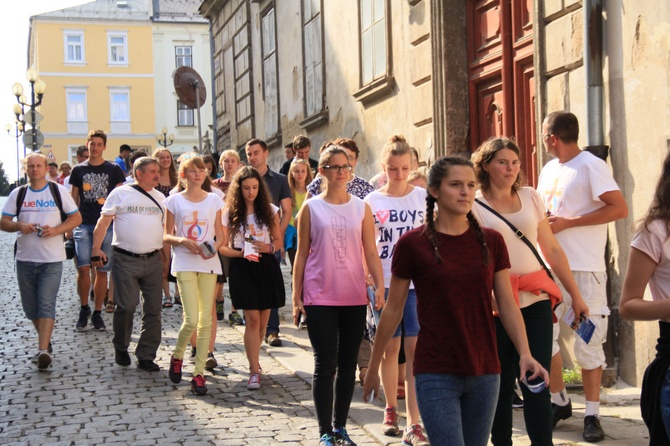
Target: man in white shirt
x: 40, y: 251
x: 138, y: 217
x: 581, y: 197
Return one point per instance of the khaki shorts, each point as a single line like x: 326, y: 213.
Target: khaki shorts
x: 593, y: 287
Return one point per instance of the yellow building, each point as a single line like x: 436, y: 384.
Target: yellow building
x: 97, y: 62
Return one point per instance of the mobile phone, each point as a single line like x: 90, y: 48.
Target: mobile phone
x: 535, y: 385
x: 371, y: 397
x: 39, y: 230
x: 207, y: 250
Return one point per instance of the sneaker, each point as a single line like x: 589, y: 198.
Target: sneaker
x: 122, y: 358
x: 390, y: 424
x: 413, y: 436
x: 273, y: 340
x: 43, y: 360
x: 175, y: 370
x: 342, y: 438
x: 517, y: 402
x: 593, y: 432
x: 192, y: 358
x: 84, y: 314
x: 561, y: 412
x: 33, y: 358
x: 234, y: 318
x: 98, y: 324
x: 327, y: 440
x: 254, y: 382
x: 219, y: 310
x: 148, y: 365
x: 198, y: 385
x: 211, y: 363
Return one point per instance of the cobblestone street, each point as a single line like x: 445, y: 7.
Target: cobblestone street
x: 87, y: 399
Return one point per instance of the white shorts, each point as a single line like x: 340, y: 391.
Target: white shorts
x: 593, y: 287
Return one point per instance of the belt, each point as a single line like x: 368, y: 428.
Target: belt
x: 132, y: 254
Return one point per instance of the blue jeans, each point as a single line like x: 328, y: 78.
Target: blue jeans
x: 83, y: 242
x: 38, y: 285
x: 457, y: 410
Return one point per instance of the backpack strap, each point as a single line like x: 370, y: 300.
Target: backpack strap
x: 53, y: 187
x: 20, y: 196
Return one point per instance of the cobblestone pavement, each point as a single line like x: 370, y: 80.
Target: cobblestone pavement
x: 86, y: 399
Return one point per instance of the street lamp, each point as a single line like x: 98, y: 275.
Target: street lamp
x: 163, y: 138
x: 26, y: 112
x: 18, y: 132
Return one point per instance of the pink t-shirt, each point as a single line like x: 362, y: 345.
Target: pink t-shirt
x: 334, y: 273
x: 654, y: 242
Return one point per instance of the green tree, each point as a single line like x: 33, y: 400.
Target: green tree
x: 5, y: 187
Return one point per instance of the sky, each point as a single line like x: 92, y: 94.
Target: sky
x: 14, y: 24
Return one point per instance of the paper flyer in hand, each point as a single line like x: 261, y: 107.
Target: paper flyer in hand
x: 250, y: 252
x: 584, y: 329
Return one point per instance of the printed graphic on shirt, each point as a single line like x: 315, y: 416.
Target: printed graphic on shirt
x: 553, y: 198
x: 94, y: 187
x: 38, y: 205
x: 392, y: 224
x: 195, y: 228
x: 144, y: 210
x: 339, y: 234
x: 252, y: 231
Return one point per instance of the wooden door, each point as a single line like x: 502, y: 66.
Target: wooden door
x: 500, y: 75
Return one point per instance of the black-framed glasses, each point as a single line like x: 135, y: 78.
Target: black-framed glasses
x: 338, y: 169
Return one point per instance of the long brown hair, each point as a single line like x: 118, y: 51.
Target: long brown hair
x: 660, y: 205
x: 485, y: 154
x: 172, y: 170
x: 237, y: 207
x: 437, y: 173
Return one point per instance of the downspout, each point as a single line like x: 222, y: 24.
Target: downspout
x: 215, y: 136
x: 593, y: 65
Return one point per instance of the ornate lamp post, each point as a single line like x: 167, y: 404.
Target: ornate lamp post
x: 26, y: 112
x: 163, y: 138
x: 18, y: 132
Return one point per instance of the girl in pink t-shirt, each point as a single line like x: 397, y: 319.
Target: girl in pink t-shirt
x: 335, y: 237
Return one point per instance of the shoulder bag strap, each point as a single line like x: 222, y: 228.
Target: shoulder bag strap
x: 139, y: 189
x: 53, y: 187
x: 519, y: 233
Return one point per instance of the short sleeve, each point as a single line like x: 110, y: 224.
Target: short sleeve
x: 118, y: 176
x: 314, y: 187
x: 111, y: 205
x: 284, y: 191
x: 498, y: 250
x: 169, y: 203
x: 650, y: 241
x: 403, y: 262
x: 539, y: 210
x: 600, y: 178
x: 75, y: 177
x: 69, y: 206
x: 9, y: 209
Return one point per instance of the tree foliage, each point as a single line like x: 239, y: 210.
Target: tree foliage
x: 5, y: 186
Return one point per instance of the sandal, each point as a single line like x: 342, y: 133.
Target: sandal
x: 167, y: 302
x: 109, y: 307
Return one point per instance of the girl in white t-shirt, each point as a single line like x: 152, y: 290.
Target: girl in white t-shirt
x: 251, y: 235
x: 649, y: 263
x: 194, y: 217
x: 398, y: 207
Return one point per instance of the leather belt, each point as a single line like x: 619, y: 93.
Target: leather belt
x: 132, y: 254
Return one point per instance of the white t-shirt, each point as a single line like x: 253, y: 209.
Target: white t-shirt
x: 196, y: 222
x: 66, y: 183
x: 138, y: 222
x: 654, y: 242
x: 395, y: 216
x: 259, y: 232
x: 39, y: 207
x: 526, y: 219
x: 573, y: 189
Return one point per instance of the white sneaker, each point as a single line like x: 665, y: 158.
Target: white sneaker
x: 254, y: 381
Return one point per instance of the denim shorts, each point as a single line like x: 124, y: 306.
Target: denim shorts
x: 83, y: 241
x: 38, y: 285
x: 410, y: 320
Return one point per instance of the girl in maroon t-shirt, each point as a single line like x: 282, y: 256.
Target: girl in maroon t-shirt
x: 455, y: 265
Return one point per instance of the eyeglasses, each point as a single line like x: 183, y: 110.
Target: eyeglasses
x: 338, y: 169
x: 546, y: 136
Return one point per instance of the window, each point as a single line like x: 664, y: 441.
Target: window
x: 242, y: 69
x: 373, y: 40
x: 118, y: 48
x: 72, y: 154
x: 312, y: 37
x: 183, y: 56
x: 77, y: 115
x: 119, y: 111
x: 74, y: 46
x: 270, y: 81
x: 184, y: 115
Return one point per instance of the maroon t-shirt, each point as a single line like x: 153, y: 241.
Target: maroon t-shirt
x: 457, y: 334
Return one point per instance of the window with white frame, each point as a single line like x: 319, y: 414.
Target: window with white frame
x: 312, y: 35
x: 73, y: 46
x: 76, y: 111
x: 184, y: 115
x: 183, y: 56
x: 374, y: 40
x: 117, y: 43
x: 270, y: 80
x: 72, y: 154
x: 242, y: 70
x: 119, y: 112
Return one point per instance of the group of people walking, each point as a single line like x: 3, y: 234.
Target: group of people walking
x: 470, y: 275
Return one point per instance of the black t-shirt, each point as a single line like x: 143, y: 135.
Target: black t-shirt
x: 94, y: 184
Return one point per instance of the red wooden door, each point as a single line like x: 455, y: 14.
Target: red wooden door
x: 500, y: 73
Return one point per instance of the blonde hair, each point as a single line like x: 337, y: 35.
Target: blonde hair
x: 291, y: 180
x: 396, y: 146
x: 192, y: 159
x: 226, y: 153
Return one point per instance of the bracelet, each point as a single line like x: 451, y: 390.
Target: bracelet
x: 272, y: 247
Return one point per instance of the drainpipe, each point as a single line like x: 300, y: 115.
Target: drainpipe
x: 593, y: 65
x: 215, y: 136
